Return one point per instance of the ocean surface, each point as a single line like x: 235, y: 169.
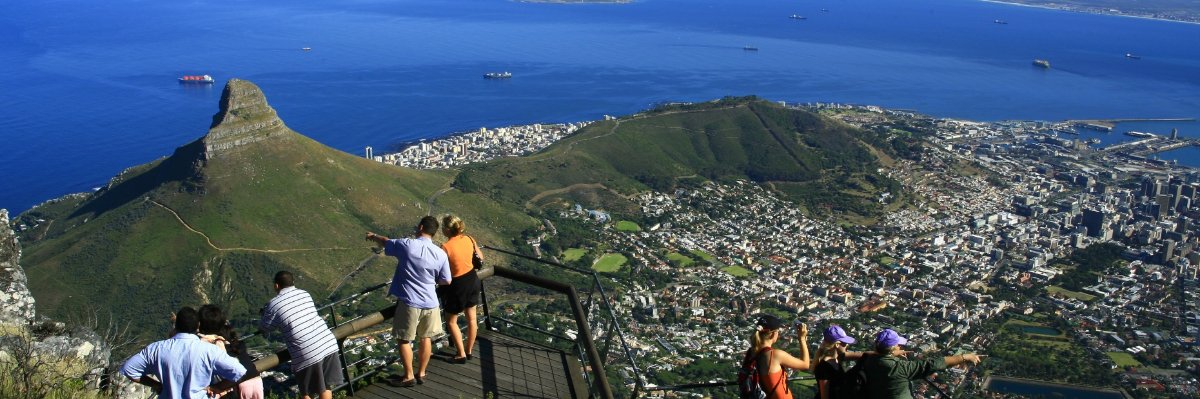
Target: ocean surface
x: 89, y: 88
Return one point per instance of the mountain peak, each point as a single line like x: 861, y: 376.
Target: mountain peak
x: 244, y: 118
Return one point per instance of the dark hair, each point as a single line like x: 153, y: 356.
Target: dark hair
x: 428, y: 225
x: 212, y: 321
x: 186, y: 320
x: 285, y: 279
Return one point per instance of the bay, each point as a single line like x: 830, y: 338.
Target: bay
x: 89, y: 89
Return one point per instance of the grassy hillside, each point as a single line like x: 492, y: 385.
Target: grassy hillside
x: 210, y: 225
x: 213, y: 222
x: 814, y: 160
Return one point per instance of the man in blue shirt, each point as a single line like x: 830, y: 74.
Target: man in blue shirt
x: 422, y: 266
x: 183, y: 364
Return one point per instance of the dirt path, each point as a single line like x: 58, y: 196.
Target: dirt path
x: 269, y: 251
x: 577, y: 186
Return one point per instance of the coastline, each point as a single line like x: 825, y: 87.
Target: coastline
x: 1062, y: 8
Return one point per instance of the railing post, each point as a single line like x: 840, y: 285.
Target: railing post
x: 341, y: 352
x: 608, y: 337
x: 487, y: 314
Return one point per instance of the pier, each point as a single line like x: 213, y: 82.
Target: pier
x: 1149, y: 146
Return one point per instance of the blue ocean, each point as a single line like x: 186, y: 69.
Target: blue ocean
x: 89, y: 88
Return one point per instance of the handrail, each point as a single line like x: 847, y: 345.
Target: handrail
x: 608, y: 307
x: 714, y: 384
x: 585, y: 332
x: 584, y: 337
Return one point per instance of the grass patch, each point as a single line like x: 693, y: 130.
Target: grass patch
x: 574, y: 254
x: 703, y: 255
x: 610, y: 263
x: 1123, y: 359
x: 737, y: 271
x: 1053, y: 289
x: 627, y: 226
x: 680, y: 259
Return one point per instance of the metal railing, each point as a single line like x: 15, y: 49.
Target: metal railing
x: 596, y: 295
x: 583, y: 342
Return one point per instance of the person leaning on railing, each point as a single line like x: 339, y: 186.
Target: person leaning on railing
x: 773, y: 364
x: 888, y: 375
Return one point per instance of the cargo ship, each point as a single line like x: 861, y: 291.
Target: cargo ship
x: 750, y: 48
x: 1139, y: 134
x: 199, y: 79
x: 798, y: 16
x: 1000, y: 22
x: 497, y: 75
x: 1133, y: 56
x: 1042, y: 63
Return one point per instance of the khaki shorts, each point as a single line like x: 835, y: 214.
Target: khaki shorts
x: 411, y: 323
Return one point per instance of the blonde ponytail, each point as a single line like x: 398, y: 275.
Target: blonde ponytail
x: 759, y: 338
x: 827, y: 351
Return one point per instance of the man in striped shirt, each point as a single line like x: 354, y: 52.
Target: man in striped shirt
x: 313, y: 347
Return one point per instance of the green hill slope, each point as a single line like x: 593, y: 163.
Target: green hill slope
x: 814, y: 160
x: 214, y: 221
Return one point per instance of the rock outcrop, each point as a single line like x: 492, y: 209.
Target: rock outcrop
x: 44, y: 348
x: 16, y: 303
x: 244, y: 118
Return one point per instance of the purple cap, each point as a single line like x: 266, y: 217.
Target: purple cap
x: 888, y: 338
x: 836, y: 333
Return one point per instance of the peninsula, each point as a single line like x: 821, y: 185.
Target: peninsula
x: 1168, y: 10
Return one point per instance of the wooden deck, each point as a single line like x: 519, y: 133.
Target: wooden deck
x: 503, y: 367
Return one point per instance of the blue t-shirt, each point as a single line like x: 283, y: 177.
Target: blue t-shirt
x: 422, y: 264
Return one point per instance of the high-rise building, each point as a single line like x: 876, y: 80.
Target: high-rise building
x: 1094, y: 221
x: 1150, y: 187
x: 1168, y: 251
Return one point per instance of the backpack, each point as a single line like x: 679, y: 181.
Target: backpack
x: 748, y: 377
x: 853, y: 383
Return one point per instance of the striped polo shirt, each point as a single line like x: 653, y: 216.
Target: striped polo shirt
x: 293, y: 313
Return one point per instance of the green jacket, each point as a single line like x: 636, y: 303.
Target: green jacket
x: 888, y: 376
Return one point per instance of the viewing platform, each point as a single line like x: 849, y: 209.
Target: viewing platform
x: 504, y: 367
x: 511, y: 359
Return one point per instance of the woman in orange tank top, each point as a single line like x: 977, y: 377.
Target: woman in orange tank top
x: 773, y: 364
x: 462, y: 295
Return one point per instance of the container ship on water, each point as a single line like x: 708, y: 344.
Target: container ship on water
x: 1041, y: 63
x: 198, y: 79
x: 497, y: 75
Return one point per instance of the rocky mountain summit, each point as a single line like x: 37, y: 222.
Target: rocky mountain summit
x: 244, y: 118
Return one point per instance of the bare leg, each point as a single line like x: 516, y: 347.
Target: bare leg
x: 425, y: 352
x: 472, y: 329
x: 406, y: 357
x: 328, y: 394
x: 455, y: 334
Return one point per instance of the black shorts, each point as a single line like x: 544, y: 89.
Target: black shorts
x: 462, y: 293
x: 320, y: 377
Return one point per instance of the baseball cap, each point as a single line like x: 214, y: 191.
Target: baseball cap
x: 769, y: 322
x: 889, y: 338
x: 836, y: 333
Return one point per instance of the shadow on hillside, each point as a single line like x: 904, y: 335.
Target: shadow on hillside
x: 183, y: 166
